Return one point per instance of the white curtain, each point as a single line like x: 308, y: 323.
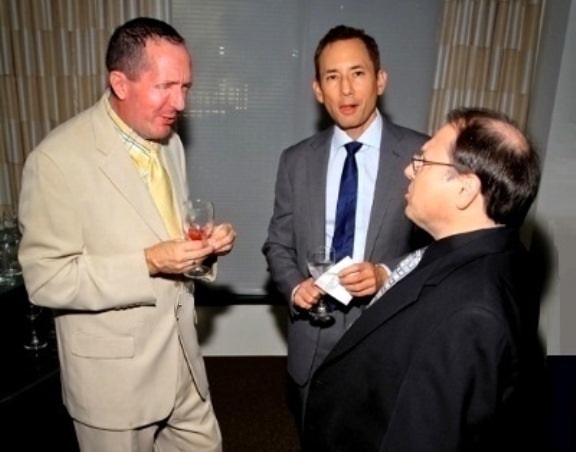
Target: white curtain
x: 486, y: 57
x: 51, y: 68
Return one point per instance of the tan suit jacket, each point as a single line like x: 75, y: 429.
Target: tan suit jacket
x: 86, y: 217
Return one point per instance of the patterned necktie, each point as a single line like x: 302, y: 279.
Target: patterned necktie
x: 343, y: 241
x: 159, y: 186
x: 405, y: 266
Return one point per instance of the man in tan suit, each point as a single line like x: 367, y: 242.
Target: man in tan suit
x: 108, y: 257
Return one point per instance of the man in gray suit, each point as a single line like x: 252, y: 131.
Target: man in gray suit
x: 348, y: 82
x: 100, y: 211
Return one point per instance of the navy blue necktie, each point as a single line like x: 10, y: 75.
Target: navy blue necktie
x: 343, y: 240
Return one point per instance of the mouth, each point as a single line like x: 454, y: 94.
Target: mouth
x: 348, y: 109
x: 407, y: 195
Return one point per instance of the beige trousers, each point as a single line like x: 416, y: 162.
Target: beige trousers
x: 192, y: 426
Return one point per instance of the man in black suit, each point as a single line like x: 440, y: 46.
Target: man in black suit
x: 448, y: 359
x: 348, y: 82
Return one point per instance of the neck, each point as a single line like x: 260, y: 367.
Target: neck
x: 463, y: 227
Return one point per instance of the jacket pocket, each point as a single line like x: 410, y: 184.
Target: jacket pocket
x: 101, y: 347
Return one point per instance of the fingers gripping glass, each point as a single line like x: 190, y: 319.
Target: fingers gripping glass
x: 319, y: 261
x: 419, y: 161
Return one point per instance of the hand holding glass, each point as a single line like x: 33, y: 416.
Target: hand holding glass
x: 320, y: 260
x: 198, y: 225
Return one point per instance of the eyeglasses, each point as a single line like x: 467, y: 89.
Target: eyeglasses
x: 419, y: 162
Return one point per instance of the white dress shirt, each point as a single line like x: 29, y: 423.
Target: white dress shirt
x: 367, y: 160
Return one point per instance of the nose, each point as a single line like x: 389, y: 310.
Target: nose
x: 178, y: 98
x: 346, y: 86
x: 409, y: 171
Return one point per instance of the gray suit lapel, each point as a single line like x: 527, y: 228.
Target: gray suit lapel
x: 390, y: 174
x: 317, y: 164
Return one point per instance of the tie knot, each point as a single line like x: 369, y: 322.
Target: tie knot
x: 352, y: 147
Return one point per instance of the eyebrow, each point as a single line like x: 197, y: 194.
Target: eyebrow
x: 353, y: 68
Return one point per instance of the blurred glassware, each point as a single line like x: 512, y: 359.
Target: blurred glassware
x: 9, y: 242
x: 35, y: 339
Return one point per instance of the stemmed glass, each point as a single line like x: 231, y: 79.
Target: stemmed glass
x: 319, y: 261
x: 9, y: 249
x: 198, y: 225
x: 9, y: 240
x: 35, y: 341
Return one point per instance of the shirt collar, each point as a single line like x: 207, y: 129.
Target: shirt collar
x: 129, y: 136
x: 372, y: 136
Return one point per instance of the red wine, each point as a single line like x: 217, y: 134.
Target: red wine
x: 198, y: 233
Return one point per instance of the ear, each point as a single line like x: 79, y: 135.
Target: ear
x: 118, y: 84
x: 318, y: 91
x: 470, y: 191
x: 381, y: 80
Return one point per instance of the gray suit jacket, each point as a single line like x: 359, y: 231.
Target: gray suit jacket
x: 298, y: 224
x: 86, y: 217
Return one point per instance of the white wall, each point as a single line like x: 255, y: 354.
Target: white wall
x: 554, y: 128
x: 244, y: 330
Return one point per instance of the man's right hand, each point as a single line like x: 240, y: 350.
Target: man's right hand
x: 176, y: 256
x: 307, y: 295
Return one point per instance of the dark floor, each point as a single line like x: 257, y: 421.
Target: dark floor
x: 250, y: 400
x: 248, y: 393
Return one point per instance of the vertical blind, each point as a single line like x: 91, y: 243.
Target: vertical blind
x: 252, y: 97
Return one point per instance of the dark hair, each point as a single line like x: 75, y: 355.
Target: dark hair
x: 342, y: 33
x: 125, y: 51
x: 492, y: 146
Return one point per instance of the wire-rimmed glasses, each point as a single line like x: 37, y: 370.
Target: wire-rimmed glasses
x: 418, y: 161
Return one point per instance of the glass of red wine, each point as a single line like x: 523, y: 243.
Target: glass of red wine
x: 198, y: 225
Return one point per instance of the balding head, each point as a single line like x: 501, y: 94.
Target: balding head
x: 492, y: 146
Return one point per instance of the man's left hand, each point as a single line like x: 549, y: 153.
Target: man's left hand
x: 222, y: 239
x: 363, y: 279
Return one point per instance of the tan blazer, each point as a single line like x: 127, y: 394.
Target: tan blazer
x: 86, y: 217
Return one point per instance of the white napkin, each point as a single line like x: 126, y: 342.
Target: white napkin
x: 330, y: 284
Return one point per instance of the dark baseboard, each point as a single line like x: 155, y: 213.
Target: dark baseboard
x: 218, y: 296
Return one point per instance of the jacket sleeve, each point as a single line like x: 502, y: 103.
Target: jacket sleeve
x: 58, y: 270
x: 280, y: 245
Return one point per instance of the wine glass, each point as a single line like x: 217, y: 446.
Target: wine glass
x: 9, y: 249
x: 198, y: 225
x: 9, y: 241
x: 320, y: 260
x: 35, y: 341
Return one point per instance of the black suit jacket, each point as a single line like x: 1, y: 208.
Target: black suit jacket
x: 442, y: 362
x: 298, y: 225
